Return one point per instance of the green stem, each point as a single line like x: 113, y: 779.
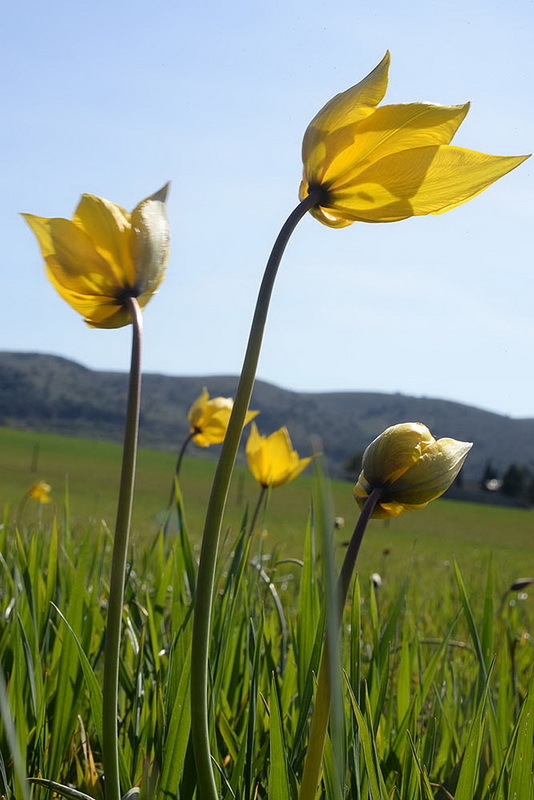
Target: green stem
x: 321, y: 710
x: 172, y: 496
x: 257, y: 509
x: 110, y: 689
x: 207, y: 788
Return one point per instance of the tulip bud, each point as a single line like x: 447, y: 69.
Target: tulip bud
x: 410, y: 466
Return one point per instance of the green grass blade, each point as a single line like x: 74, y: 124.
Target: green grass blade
x: 366, y: 737
x: 177, y: 737
x: 278, y: 778
x: 467, y: 780
x: 521, y: 778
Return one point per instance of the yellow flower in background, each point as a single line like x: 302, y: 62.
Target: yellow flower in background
x: 209, y: 418
x: 40, y: 492
x: 271, y: 459
x: 411, y: 466
x: 393, y: 162
x: 105, y: 254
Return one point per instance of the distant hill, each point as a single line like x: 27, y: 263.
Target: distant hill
x: 49, y: 393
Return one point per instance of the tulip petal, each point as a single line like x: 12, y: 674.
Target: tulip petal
x: 425, y: 180
x: 391, y: 129
x: 395, y: 452
x: 433, y: 473
x: 271, y: 459
x: 195, y: 412
x: 331, y: 130
x: 108, y: 226
x: 71, y: 257
x: 150, y: 245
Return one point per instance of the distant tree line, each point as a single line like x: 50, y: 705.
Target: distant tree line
x: 517, y: 482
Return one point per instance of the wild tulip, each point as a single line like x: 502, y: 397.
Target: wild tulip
x: 410, y: 467
x: 40, y: 492
x: 271, y: 459
x: 209, y: 418
x: 382, y: 164
x: 105, y: 255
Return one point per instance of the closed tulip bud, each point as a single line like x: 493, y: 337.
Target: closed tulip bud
x: 105, y: 255
x: 209, y: 418
x: 410, y: 467
x: 271, y: 459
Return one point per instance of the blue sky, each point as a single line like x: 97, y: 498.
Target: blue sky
x: 116, y: 98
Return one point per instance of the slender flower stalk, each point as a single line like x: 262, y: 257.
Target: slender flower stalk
x: 207, y: 788
x: 172, y: 493
x: 321, y: 710
x: 110, y: 744
x: 181, y: 455
x: 261, y: 498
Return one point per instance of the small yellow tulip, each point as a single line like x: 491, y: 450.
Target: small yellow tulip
x: 40, y: 492
x: 104, y: 255
x: 271, y: 459
x: 410, y: 466
x: 389, y: 163
x: 209, y: 418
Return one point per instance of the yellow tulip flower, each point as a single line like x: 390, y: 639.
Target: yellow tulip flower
x: 40, y: 492
x: 389, y: 163
x: 410, y: 466
x: 209, y: 418
x: 271, y: 459
x: 104, y: 255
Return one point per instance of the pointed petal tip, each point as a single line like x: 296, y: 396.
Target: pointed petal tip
x: 162, y: 193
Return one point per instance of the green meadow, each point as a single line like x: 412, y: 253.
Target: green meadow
x: 84, y: 475
x: 437, y: 662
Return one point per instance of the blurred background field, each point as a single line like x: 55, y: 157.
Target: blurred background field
x: 424, y: 543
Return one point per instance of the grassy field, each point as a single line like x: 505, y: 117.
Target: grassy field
x: 436, y: 701
x: 87, y: 472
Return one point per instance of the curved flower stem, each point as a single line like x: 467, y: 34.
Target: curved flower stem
x: 207, y: 788
x: 321, y: 710
x: 172, y: 495
x: 110, y: 690
x: 254, y: 519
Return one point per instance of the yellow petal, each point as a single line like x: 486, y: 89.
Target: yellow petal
x: 108, y: 226
x: 391, y: 129
x: 271, y: 459
x: 299, y: 466
x: 394, y: 452
x: 150, y: 243
x: 426, y: 180
x: 254, y: 452
x: 433, y: 473
x: 71, y: 257
x: 331, y: 130
x: 98, y: 311
x: 278, y: 461
x: 195, y: 412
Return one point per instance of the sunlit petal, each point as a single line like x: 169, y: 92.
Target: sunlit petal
x: 389, y: 163
x: 271, y: 459
x: 393, y: 129
x: 108, y: 226
x: 331, y: 130
x: 150, y: 245
x: 105, y: 255
x: 426, y: 180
